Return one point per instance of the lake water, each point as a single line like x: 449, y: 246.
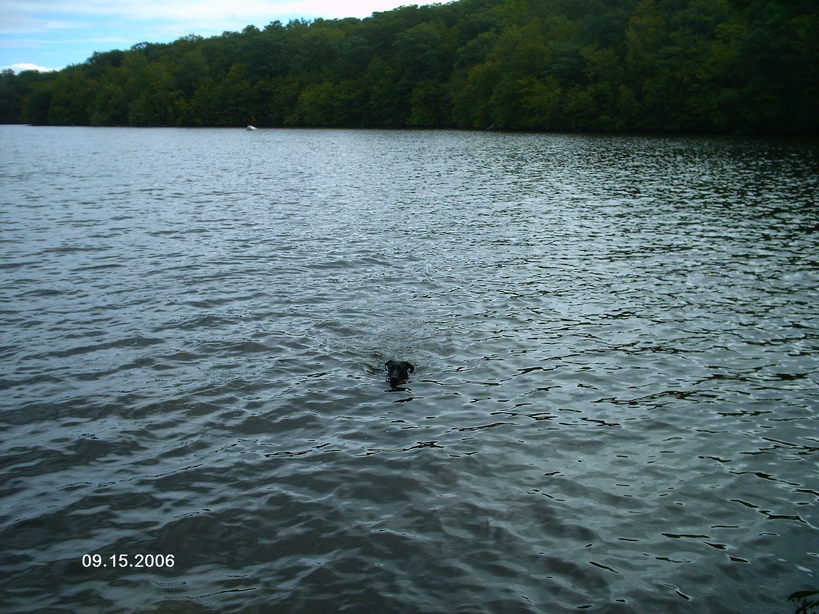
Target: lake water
x: 614, y: 406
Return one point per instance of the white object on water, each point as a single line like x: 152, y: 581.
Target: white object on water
x: 249, y: 127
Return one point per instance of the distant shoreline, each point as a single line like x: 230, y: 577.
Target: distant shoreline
x: 601, y: 133
x: 630, y: 67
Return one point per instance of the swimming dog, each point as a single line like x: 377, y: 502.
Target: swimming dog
x: 398, y: 372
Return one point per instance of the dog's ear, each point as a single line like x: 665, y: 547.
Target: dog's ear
x: 411, y: 367
x: 388, y: 364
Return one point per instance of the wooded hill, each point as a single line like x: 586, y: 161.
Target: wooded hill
x: 748, y: 66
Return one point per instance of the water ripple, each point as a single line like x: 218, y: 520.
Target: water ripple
x: 613, y: 408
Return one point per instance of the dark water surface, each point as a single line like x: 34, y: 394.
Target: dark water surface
x: 614, y: 407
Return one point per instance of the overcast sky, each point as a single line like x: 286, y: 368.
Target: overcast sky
x: 49, y: 34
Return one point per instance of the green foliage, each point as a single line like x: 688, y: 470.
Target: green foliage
x: 565, y: 65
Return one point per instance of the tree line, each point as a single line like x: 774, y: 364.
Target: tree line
x: 748, y: 66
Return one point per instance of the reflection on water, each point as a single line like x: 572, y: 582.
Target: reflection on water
x: 613, y: 407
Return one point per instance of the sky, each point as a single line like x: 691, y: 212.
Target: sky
x: 52, y: 34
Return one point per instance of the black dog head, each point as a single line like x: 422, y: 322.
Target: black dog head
x: 398, y: 372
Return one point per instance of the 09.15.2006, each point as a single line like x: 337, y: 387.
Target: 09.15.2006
x: 125, y: 560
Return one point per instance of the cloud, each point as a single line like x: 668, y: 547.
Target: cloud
x: 20, y: 67
x: 38, y: 43
x: 11, y: 23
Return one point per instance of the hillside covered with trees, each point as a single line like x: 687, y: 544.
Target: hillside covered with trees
x: 564, y: 65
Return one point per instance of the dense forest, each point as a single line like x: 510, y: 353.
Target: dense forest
x: 747, y: 66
